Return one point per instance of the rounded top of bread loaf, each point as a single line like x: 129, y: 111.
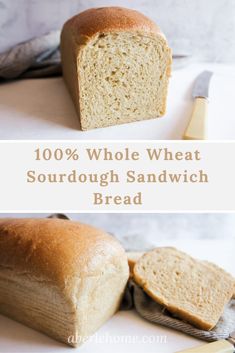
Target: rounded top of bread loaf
x: 110, y: 19
x: 60, y: 252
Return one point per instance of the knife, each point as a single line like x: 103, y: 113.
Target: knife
x: 197, y: 127
x: 221, y: 346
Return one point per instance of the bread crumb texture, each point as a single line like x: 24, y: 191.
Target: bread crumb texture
x: 195, y: 291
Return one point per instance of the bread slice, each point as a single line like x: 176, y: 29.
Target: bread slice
x: 60, y: 277
x: 116, y: 63
x: 133, y: 257
x: 191, y: 289
x: 223, y: 273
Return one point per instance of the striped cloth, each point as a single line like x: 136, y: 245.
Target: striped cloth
x: 136, y: 298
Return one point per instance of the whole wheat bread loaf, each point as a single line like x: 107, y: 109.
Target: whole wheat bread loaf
x: 60, y: 277
x: 116, y: 64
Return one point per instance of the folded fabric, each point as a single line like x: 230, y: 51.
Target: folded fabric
x: 146, y: 307
x: 38, y: 57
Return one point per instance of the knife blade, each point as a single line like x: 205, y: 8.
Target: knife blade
x: 201, y: 86
x: 197, y: 127
x: 221, y: 346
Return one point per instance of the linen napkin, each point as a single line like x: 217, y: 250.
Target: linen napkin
x: 38, y: 57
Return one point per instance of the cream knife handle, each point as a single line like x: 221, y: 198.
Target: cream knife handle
x: 197, y: 127
x: 221, y: 346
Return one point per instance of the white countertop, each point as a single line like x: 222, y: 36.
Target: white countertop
x: 16, y: 338
x: 42, y: 109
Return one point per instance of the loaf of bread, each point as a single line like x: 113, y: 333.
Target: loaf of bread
x: 60, y: 277
x: 116, y: 63
x: 193, y: 290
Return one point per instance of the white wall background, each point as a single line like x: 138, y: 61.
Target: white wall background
x: 145, y: 231
x: 202, y: 28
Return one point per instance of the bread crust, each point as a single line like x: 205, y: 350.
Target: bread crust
x: 73, y: 265
x: 133, y: 257
x: 89, y: 23
x: 55, y: 249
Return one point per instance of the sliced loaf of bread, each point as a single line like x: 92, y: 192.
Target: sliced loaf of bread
x: 116, y: 64
x: 195, y: 291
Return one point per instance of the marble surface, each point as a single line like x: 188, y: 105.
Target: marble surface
x: 204, y: 29
x: 138, y: 232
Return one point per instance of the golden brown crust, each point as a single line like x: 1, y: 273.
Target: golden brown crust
x: 60, y: 277
x: 58, y: 251
x: 110, y: 19
x: 133, y: 257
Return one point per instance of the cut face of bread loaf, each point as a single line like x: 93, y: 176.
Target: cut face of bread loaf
x: 59, y: 277
x: 189, y: 288
x: 116, y: 63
